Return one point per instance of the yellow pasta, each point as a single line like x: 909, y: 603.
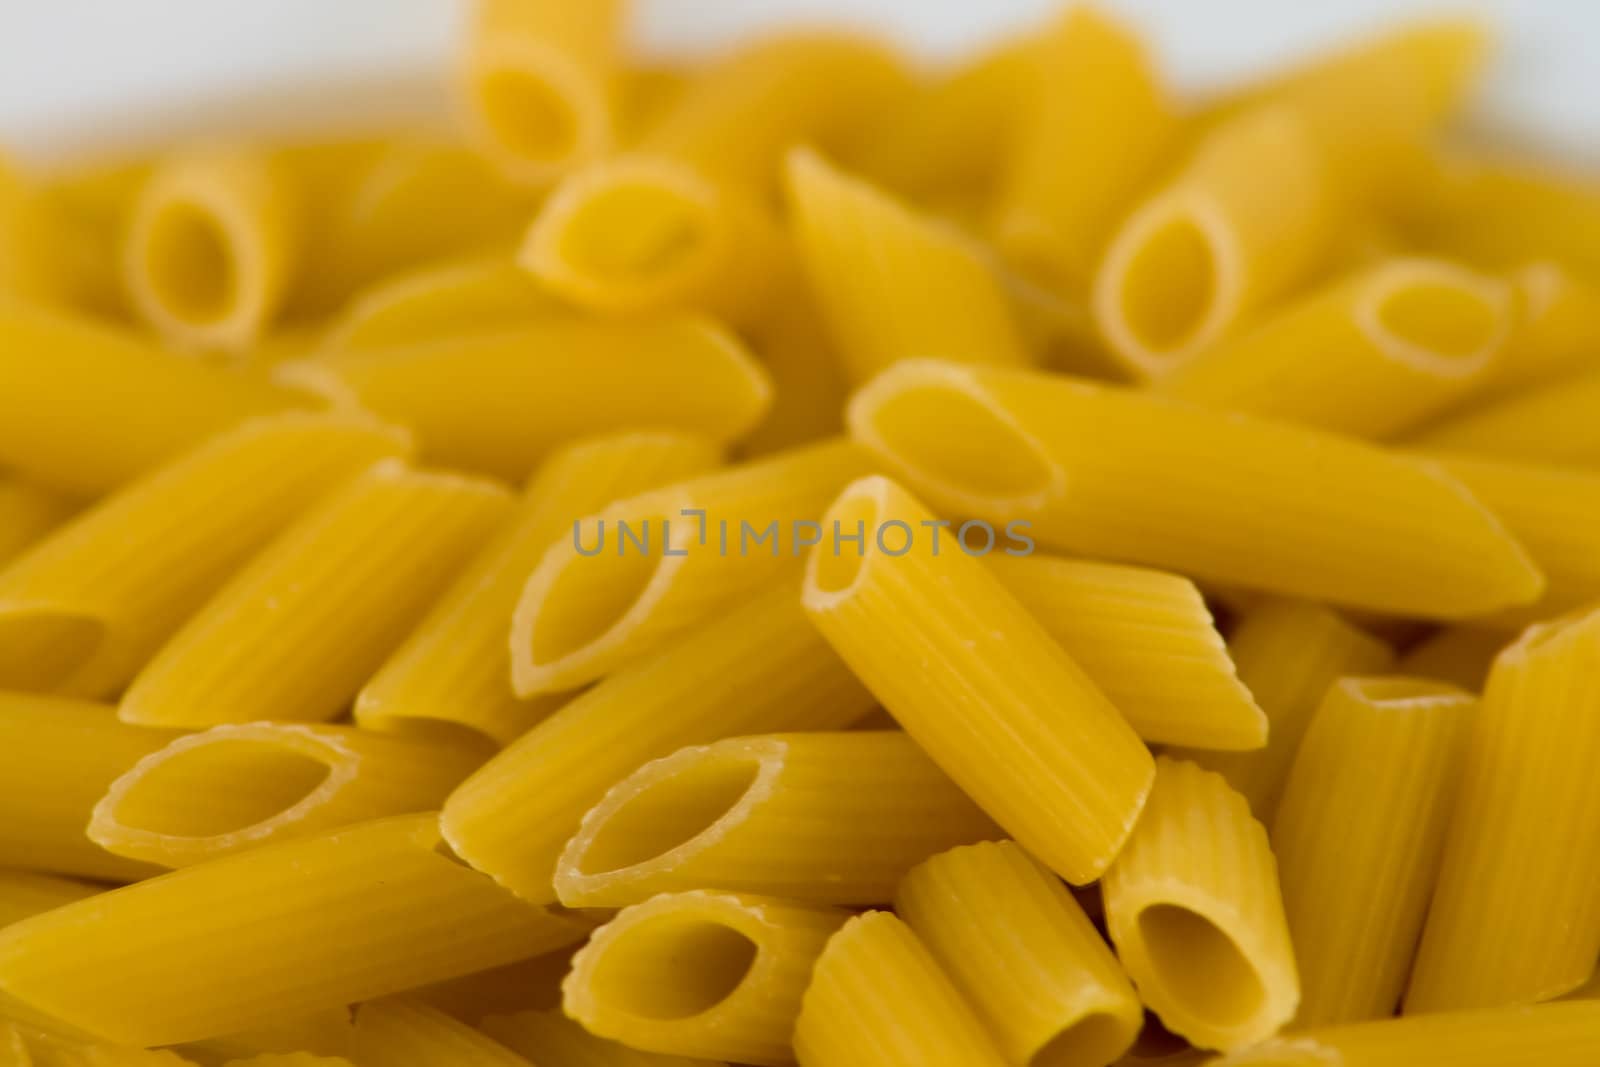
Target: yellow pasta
x: 455, y: 667
x: 1516, y: 916
x: 559, y: 1040
x: 760, y: 668
x: 831, y: 818
x: 27, y: 513
x: 1358, y: 836
x: 500, y: 402
x: 1288, y: 652
x: 212, y: 246
x: 325, y: 1032
x: 1147, y: 639
x: 1025, y: 955
x: 298, y: 630
x: 24, y: 893
x: 1460, y: 655
x: 710, y: 975
x: 1371, y: 355
x: 270, y: 933
x: 873, y: 976
x: 1194, y: 908
x: 290, y: 1059
x: 1105, y: 471
x: 40, y: 1049
x: 976, y: 681
x: 531, y: 983
x: 624, y: 581
x: 438, y: 303
x: 1551, y: 422
x: 541, y: 83
x: 1558, y: 325
x: 809, y: 387
x: 236, y: 787
x: 1096, y: 127
x: 403, y: 1032
x: 55, y: 248
x: 1500, y: 213
x: 106, y: 406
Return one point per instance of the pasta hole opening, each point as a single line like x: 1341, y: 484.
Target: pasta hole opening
x: 1200, y: 966
x: 635, y: 230
x: 590, y: 595
x: 950, y: 437
x: 1169, y: 286
x: 41, y: 648
x: 528, y: 116
x: 227, y: 787
x: 1439, y: 318
x: 673, y: 967
x: 1095, y: 1038
x: 1399, y: 690
x: 836, y: 563
x: 669, y: 813
x: 191, y: 264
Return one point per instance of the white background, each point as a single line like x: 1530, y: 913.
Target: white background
x: 85, y: 74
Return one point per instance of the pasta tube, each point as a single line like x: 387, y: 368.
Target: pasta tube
x: 595, y: 603
x: 403, y: 1032
x: 710, y: 975
x: 296, y: 632
x: 325, y: 1032
x: 1358, y: 838
x: 54, y: 247
x: 1550, y: 423
x: 27, y: 513
x: 828, y: 818
x: 83, y: 609
x: 1372, y: 355
x: 873, y: 976
x: 1557, y: 328
x: 270, y: 933
x: 439, y: 303
x: 808, y: 382
x: 500, y: 402
x: 1024, y: 954
x: 529, y: 983
x: 24, y: 894
x: 761, y: 668
x: 977, y: 682
x: 1460, y: 655
x: 455, y: 667
x: 1105, y: 471
x: 552, y: 1035
x: 1516, y: 916
x: 1194, y: 908
x: 235, y: 787
x: 1502, y: 214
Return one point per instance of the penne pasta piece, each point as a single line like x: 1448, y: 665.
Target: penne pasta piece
x: 1095, y: 129
x: 709, y: 975
x: 1551, y: 1035
x: 57, y: 757
x: 1147, y: 640
x: 25, y: 893
x: 212, y: 246
x: 1024, y: 954
x: 873, y: 975
x: 1460, y: 655
x: 559, y: 1040
x: 651, y: 88
x: 529, y: 983
x: 233, y: 787
x: 323, y: 1033
x: 500, y: 402
x: 39, y: 1049
x: 809, y: 387
x: 976, y: 681
x: 106, y: 406
x: 594, y: 602
x: 1249, y: 216
x: 439, y: 303
x: 456, y: 666
x: 1551, y: 423
x: 1502, y: 214
x: 541, y: 84
x: 1557, y: 328
x: 1288, y: 652
x: 403, y: 1032
x: 1371, y: 355
x: 760, y: 668
x: 83, y: 609
x: 1358, y: 836
x: 1516, y: 915
x: 829, y: 818
x: 295, y: 633
x: 271, y: 933
x: 27, y: 513
x: 58, y: 234
x: 892, y: 283
x: 1194, y: 908
x: 1105, y: 471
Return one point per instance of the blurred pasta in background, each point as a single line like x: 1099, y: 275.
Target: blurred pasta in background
x: 805, y: 556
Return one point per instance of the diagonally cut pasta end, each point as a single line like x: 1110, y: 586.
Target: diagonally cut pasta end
x: 1436, y: 316
x: 534, y: 112
x: 45, y: 647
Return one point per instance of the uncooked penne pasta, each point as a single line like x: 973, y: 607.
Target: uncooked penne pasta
x: 1025, y: 955
x: 1549, y: 422
x: 1096, y: 125
x: 541, y: 84
x: 1288, y: 652
x: 892, y: 283
x: 1147, y: 639
x: 830, y: 818
x: 107, y: 406
x: 84, y: 608
x: 271, y: 933
x: 26, y: 893
x: 1557, y: 325
x: 295, y: 633
x: 1460, y: 655
x: 628, y: 579
x: 41, y: 246
x: 1516, y: 916
x: 1371, y: 355
x: 1106, y: 471
x: 1358, y: 838
x: 873, y: 976
x: 437, y: 303
x: 234, y: 787
x: 533, y: 983
x: 27, y: 513
x: 1501, y: 213
x: 710, y: 975
x: 500, y: 402
x: 456, y: 667
x: 325, y: 1032
x: 40, y: 1049
x: 1194, y: 908
x: 760, y: 668
x: 809, y: 386
x: 976, y: 681
x: 559, y: 1040
x: 404, y: 1032
x: 212, y: 246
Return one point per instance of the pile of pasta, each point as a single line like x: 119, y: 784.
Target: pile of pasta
x: 806, y: 558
